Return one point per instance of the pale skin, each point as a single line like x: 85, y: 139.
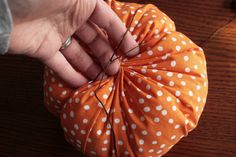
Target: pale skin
x: 41, y: 27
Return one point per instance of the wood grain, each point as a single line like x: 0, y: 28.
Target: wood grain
x: 27, y: 129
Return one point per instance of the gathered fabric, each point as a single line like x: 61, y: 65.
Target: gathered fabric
x: 154, y: 100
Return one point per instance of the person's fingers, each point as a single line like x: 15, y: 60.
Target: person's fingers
x: 76, y: 55
x: 62, y: 67
x: 105, y: 18
x: 99, y: 45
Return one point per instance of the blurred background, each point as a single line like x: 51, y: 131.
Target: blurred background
x: 27, y: 129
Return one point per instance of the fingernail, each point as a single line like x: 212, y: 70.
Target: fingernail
x: 102, y: 76
x: 114, y: 67
x: 105, y: 76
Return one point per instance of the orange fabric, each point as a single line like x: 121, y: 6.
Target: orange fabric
x: 156, y: 98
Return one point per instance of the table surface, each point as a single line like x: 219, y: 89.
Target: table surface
x: 28, y: 129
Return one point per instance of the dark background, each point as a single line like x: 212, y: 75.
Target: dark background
x: 27, y: 129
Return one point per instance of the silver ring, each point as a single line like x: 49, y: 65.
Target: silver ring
x: 66, y: 43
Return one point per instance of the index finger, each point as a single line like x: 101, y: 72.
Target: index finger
x: 105, y: 18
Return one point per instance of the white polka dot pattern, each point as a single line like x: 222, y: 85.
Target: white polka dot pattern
x: 158, y: 99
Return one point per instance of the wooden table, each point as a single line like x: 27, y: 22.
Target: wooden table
x: 28, y: 130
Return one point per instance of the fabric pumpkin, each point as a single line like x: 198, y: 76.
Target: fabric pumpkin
x: 155, y: 99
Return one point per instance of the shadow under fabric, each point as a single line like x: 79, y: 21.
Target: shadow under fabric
x: 156, y: 98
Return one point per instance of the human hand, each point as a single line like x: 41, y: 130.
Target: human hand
x: 41, y: 27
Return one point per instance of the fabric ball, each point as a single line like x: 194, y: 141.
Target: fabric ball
x: 155, y: 99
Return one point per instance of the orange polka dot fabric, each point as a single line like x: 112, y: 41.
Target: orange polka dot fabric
x: 155, y: 99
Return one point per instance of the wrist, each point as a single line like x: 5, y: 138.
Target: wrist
x: 19, y: 10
